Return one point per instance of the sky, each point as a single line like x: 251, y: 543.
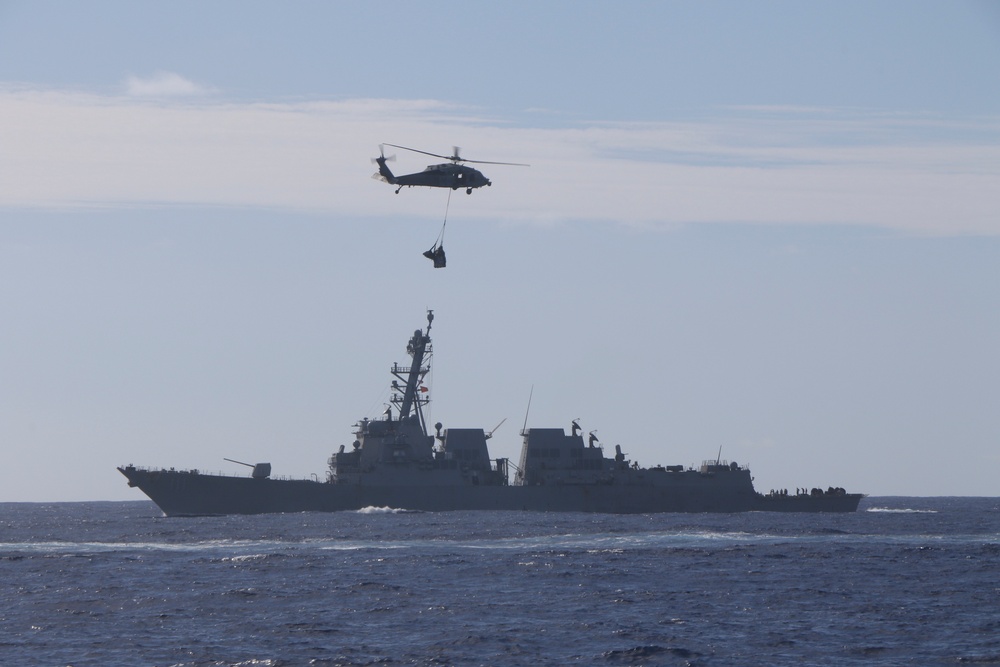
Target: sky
x: 770, y: 230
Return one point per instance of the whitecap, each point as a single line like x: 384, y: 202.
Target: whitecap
x: 371, y: 509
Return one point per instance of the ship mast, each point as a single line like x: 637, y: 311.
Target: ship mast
x: 418, y: 346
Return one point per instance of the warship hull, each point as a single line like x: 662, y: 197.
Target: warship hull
x: 183, y: 493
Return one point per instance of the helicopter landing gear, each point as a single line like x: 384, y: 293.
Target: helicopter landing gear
x: 468, y: 191
x: 398, y: 189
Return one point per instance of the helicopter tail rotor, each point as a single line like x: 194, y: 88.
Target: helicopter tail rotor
x: 381, y: 155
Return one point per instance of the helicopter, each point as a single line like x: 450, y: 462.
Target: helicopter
x: 452, y: 175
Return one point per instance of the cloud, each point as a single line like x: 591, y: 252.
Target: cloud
x: 163, y: 84
x: 772, y: 166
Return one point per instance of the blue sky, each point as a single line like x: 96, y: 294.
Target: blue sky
x: 770, y: 227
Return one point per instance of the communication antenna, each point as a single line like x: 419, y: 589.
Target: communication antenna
x: 490, y: 434
x: 528, y: 409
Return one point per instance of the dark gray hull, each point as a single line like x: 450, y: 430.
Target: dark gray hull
x: 182, y: 493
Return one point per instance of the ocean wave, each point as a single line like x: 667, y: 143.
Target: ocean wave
x: 900, y: 510
x: 371, y: 509
x: 254, y: 549
x: 71, y: 549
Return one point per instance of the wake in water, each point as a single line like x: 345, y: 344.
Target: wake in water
x: 386, y: 510
x: 903, y: 510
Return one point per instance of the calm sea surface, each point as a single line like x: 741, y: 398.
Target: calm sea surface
x: 905, y: 581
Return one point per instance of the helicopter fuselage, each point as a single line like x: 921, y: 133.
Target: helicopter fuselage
x: 446, y: 175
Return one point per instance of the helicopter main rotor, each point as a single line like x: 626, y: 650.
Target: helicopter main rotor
x: 455, y: 157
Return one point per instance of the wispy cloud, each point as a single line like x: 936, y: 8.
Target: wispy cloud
x: 163, y: 84
x: 164, y: 142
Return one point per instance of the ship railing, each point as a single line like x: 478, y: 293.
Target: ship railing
x: 218, y: 473
x: 714, y: 465
x: 404, y: 370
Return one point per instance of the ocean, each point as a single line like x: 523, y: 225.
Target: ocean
x: 904, y: 581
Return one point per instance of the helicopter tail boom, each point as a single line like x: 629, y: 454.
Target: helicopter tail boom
x: 384, y: 172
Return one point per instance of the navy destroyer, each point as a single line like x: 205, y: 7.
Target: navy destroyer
x: 396, y: 462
